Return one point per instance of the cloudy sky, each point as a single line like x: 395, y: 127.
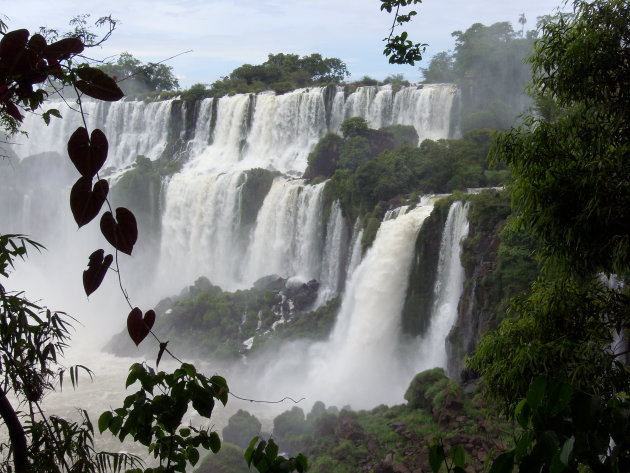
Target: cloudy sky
x: 224, y: 34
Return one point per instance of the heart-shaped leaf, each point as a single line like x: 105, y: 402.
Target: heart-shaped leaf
x: 139, y: 326
x: 88, y: 154
x: 37, y: 43
x: 86, y: 202
x: 121, y: 232
x: 98, y: 85
x: 98, y: 265
x: 12, y: 45
x: 63, y: 49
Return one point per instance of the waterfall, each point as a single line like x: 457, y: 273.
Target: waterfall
x: 333, y: 257
x: 449, y: 285
x: 427, y: 108
x: 132, y: 129
x: 291, y: 232
x: 288, y: 233
x: 360, y: 362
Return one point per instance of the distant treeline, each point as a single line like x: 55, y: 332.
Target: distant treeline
x: 489, y: 64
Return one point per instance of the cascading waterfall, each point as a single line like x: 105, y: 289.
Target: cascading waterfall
x: 428, y: 109
x: 270, y: 132
x: 332, y: 261
x: 361, y: 361
x: 132, y: 128
x: 287, y: 239
x: 449, y: 285
x: 366, y: 338
x: 203, y: 232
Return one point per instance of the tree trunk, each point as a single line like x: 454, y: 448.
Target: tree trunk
x: 16, y: 435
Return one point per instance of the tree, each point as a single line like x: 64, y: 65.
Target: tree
x: 522, y: 20
x: 137, y: 78
x: 441, y: 69
x: 554, y: 364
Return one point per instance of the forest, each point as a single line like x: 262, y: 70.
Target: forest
x: 524, y: 189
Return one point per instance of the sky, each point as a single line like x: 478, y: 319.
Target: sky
x: 223, y: 34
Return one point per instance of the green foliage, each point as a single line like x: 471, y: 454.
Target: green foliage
x: 418, y: 395
x: 154, y: 420
x: 264, y: 456
x: 564, y: 427
x: 403, y: 135
x: 435, y: 167
x: 571, y: 174
x: 281, y: 73
x: 241, y: 428
x: 399, y: 48
x: 354, y: 152
x: 289, y: 423
x: 551, y: 364
x: 563, y: 329
x: 355, y: 126
x: 454, y: 461
x: 315, y: 325
x: 441, y: 69
x: 32, y: 339
x: 136, y: 78
x: 323, y: 161
x: 488, y: 65
x: 397, y: 82
x: 228, y: 460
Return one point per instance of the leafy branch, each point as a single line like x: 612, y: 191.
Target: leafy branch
x: 398, y: 47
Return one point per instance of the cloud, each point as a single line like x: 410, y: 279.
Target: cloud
x: 224, y: 33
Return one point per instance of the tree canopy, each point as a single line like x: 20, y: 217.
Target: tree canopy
x: 136, y: 77
x: 555, y: 364
x: 282, y: 72
x: 489, y: 66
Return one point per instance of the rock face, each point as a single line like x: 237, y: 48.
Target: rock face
x: 219, y: 323
x: 301, y: 295
x: 498, y: 265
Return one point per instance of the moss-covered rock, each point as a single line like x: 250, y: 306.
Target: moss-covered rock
x: 323, y: 161
x: 255, y: 187
x: 416, y: 314
x: 424, y: 387
x: 498, y: 263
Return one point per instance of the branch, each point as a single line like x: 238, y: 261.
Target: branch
x: 16, y: 435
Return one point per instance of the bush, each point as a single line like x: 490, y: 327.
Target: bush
x: 355, y: 126
x: 241, y: 428
x: 424, y: 387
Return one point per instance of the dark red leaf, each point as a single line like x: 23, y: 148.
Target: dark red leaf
x: 63, y: 49
x: 23, y: 63
x: 98, y: 85
x: 88, y: 154
x: 139, y: 327
x: 86, y: 202
x: 121, y: 232
x: 13, y: 110
x: 11, y: 47
x: 37, y: 43
x: 98, y: 148
x: 97, y: 269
